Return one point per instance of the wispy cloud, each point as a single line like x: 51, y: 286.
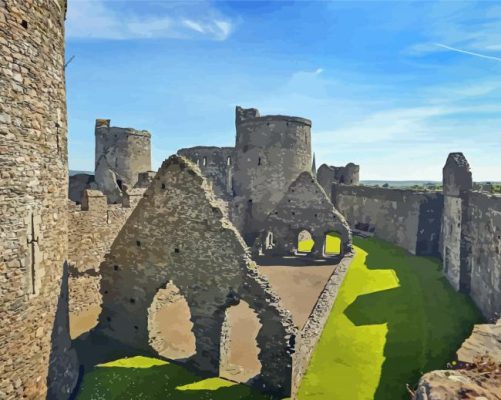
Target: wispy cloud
x: 100, y: 19
x: 418, y: 137
x: 457, y: 26
x: 471, y: 53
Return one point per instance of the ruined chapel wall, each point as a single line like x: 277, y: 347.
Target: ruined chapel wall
x: 35, y: 353
x: 482, y: 245
x: 178, y: 233
x: 271, y: 152
x: 305, y: 206
x: 407, y: 218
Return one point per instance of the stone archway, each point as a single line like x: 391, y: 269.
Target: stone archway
x: 179, y: 233
x: 305, y: 242
x: 169, y: 324
x: 333, y: 243
x: 239, y: 350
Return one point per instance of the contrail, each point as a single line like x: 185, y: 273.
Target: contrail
x: 468, y: 52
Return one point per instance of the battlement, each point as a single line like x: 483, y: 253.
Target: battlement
x: 103, y: 126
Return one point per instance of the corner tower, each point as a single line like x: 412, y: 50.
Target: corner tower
x: 270, y: 153
x: 121, y: 155
x: 36, y: 360
x: 457, y: 182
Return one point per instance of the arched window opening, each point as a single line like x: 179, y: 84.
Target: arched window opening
x: 269, y: 242
x: 228, y: 161
x: 204, y: 162
x: 120, y: 184
x: 239, y: 350
x: 305, y: 242
x: 332, y: 244
x: 169, y: 325
x: 341, y: 180
x: 259, y: 161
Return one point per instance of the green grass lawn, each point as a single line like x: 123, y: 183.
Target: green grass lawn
x: 395, y: 317
x: 144, y: 378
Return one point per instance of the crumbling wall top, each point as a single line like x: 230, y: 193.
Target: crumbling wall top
x: 251, y: 115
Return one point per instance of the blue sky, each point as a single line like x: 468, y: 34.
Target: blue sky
x: 393, y: 86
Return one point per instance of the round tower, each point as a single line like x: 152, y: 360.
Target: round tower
x: 35, y: 355
x: 270, y: 153
x: 121, y: 155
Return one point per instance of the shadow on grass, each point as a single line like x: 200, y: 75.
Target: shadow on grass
x: 426, y: 319
x: 167, y: 381
x: 110, y: 376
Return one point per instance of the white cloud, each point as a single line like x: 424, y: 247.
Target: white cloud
x: 411, y: 143
x: 99, y: 19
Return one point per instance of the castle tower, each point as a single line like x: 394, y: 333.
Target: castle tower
x: 457, y: 182
x: 35, y: 355
x: 270, y: 153
x: 121, y: 155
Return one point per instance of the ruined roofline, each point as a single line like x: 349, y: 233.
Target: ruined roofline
x: 244, y: 115
x: 105, y: 123
x: 276, y: 118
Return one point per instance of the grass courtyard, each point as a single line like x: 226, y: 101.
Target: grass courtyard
x: 394, y: 318
x: 144, y: 378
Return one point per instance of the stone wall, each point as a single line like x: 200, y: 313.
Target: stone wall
x: 457, y: 182
x: 312, y: 330
x: 270, y: 153
x: 93, y: 227
x: 407, y: 218
x: 121, y: 154
x: 305, y: 206
x: 178, y: 233
x: 482, y: 251
x: 327, y: 175
x: 216, y: 163
x: 78, y: 183
x: 35, y: 353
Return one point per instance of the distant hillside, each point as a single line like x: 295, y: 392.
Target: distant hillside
x: 400, y: 184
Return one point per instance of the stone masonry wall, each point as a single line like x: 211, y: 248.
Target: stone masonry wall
x: 121, y: 154
x: 305, y: 206
x: 407, y: 218
x: 312, y: 329
x: 482, y: 245
x: 270, y: 153
x: 327, y: 175
x: 178, y: 233
x: 216, y: 163
x: 93, y: 227
x: 35, y: 355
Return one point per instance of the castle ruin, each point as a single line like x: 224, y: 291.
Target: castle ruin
x: 197, y: 230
